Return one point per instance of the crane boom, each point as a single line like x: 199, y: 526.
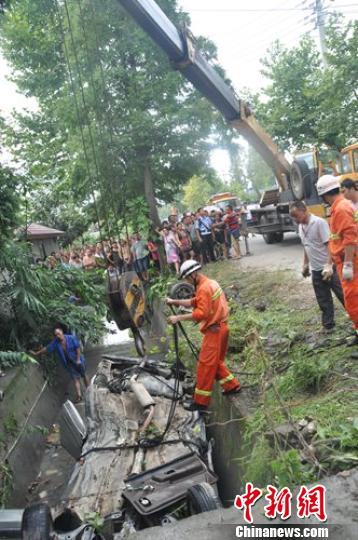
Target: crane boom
x: 182, y: 52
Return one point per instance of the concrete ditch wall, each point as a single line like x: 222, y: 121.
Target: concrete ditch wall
x: 28, y: 401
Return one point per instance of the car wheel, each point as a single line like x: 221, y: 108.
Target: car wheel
x: 269, y: 237
x: 300, y: 180
x: 182, y: 291
x: 202, y: 498
x: 278, y: 237
x: 139, y: 342
x: 37, y: 522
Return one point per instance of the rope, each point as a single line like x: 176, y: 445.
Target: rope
x: 176, y: 385
x: 85, y: 109
x: 194, y: 349
x: 79, y: 118
x: 142, y: 443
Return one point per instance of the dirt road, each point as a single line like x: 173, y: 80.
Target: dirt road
x: 288, y: 254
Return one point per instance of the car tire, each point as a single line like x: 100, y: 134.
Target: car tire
x: 300, y: 180
x: 139, y: 342
x: 270, y: 237
x: 278, y: 237
x: 182, y: 291
x: 202, y: 498
x: 37, y: 522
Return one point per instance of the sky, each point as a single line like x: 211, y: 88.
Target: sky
x: 242, y: 32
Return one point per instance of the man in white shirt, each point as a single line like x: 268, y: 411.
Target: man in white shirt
x: 314, y: 233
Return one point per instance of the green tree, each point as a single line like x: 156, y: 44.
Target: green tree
x: 197, y: 192
x: 9, y: 204
x: 339, y: 95
x: 123, y: 125
x: 306, y: 104
x: 290, y: 113
x: 259, y: 174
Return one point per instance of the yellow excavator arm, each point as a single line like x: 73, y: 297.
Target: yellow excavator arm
x: 181, y: 49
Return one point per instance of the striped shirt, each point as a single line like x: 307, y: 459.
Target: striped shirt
x: 232, y: 221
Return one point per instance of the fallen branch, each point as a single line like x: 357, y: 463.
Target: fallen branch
x: 225, y: 423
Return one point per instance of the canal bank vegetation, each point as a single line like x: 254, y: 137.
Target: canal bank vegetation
x: 299, y: 384
x: 34, y: 298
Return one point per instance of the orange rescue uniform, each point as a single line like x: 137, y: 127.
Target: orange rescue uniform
x: 344, y: 232
x: 211, y: 311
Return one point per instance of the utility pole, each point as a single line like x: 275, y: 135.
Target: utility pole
x: 320, y: 20
x: 317, y: 17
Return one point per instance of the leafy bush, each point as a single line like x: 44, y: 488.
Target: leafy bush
x: 33, y: 299
x: 288, y: 470
x: 12, y: 358
x: 308, y: 373
x: 257, y: 470
x: 9, y: 203
x: 160, y: 287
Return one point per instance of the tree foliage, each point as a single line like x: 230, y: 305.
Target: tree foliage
x: 197, y: 192
x: 9, y: 203
x: 114, y: 121
x: 33, y: 299
x: 308, y: 104
x: 260, y: 175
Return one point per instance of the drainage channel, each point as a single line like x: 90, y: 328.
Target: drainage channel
x: 47, y: 480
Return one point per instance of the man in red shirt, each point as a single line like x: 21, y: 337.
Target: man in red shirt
x: 212, y: 312
x: 232, y: 221
x: 343, y: 243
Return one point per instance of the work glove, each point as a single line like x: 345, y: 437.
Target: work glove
x: 347, y: 272
x: 327, y: 272
x: 306, y: 271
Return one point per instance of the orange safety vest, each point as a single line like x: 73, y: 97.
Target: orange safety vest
x: 210, y: 304
x: 344, y: 227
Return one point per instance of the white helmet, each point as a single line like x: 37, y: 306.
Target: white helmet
x: 188, y: 267
x: 326, y: 183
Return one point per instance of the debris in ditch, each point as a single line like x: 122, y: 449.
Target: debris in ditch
x: 32, y: 487
x: 260, y: 306
x: 53, y: 438
x: 309, y: 431
x: 285, y: 435
x: 289, y: 434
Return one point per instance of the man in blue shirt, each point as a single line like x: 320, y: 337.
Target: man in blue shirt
x: 68, y: 350
x: 204, y: 233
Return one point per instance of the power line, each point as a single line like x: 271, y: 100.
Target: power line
x: 261, y: 10
x: 266, y: 37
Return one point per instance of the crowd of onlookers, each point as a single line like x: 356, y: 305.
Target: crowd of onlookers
x: 203, y: 235
x: 206, y: 236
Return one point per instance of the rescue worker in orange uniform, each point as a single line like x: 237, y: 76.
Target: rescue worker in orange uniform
x: 211, y: 310
x: 343, y: 243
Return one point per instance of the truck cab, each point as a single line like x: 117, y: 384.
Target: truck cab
x: 221, y: 200
x: 348, y: 162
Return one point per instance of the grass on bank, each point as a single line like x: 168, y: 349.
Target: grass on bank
x: 292, y: 372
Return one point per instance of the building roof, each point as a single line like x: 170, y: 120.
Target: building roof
x: 35, y: 230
